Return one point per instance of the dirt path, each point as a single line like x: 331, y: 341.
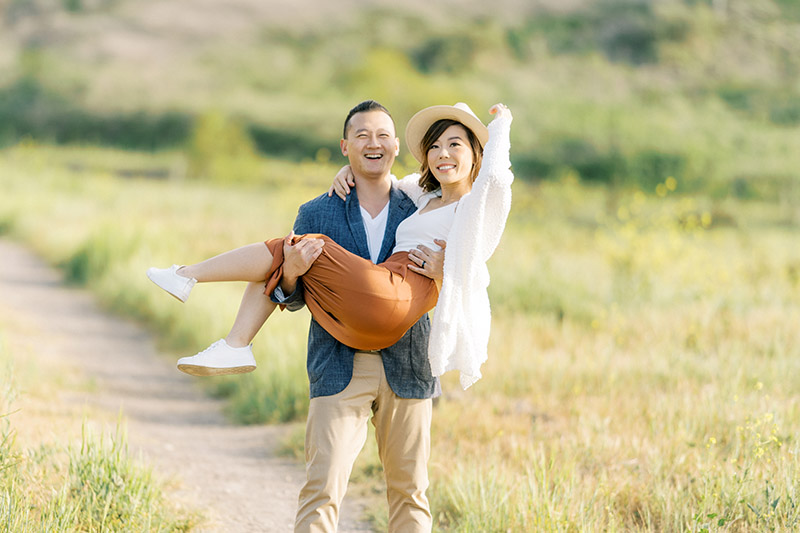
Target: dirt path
x: 230, y: 470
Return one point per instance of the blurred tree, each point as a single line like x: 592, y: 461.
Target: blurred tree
x: 389, y: 76
x: 73, y: 6
x: 453, y: 53
x: 221, y: 150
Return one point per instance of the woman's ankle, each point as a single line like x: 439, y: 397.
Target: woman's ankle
x: 185, y: 271
x: 236, y: 342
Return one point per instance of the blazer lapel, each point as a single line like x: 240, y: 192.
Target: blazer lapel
x: 356, y: 223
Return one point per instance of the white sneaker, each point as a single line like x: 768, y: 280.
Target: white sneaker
x: 172, y: 282
x: 219, y: 359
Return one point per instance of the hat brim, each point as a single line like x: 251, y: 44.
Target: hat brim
x: 420, y: 122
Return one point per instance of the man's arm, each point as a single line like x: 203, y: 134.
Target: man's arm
x: 297, y: 260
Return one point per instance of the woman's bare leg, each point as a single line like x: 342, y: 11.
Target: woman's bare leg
x: 253, y: 312
x: 248, y: 263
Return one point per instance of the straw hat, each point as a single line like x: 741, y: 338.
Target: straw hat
x: 419, y: 124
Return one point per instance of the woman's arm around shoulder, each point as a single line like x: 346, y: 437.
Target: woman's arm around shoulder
x: 410, y: 186
x: 344, y: 181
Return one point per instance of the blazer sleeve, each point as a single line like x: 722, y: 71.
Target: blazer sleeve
x: 303, y: 223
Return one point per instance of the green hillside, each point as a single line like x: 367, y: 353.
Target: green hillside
x: 614, y: 91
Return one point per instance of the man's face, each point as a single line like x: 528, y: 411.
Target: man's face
x: 371, y: 144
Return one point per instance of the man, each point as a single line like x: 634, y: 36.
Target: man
x: 394, y: 384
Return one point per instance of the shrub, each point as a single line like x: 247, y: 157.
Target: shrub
x: 452, y: 53
x: 650, y: 167
x: 29, y: 109
x: 221, y: 149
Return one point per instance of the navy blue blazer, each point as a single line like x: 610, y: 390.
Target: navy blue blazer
x: 330, y: 363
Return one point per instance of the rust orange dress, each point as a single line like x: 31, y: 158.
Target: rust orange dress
x: 363, y: 305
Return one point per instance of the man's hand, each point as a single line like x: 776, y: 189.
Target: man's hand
x: 297, y: 259
x: 428, y: 263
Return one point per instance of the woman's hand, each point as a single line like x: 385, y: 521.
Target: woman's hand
x: 500, y: 110
x: 427, y: 262
x: 342, y: 182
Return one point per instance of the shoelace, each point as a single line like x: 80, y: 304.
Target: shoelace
x: 214, y: 345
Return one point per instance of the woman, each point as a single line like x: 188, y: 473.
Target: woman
x: 449, y: 142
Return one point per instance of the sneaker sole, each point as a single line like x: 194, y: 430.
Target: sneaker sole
x: 197, y: 370
x: 180, y: 299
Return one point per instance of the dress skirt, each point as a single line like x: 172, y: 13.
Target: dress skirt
x: 361, y: 304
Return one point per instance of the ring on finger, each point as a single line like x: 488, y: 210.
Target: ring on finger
x: 423, y: 264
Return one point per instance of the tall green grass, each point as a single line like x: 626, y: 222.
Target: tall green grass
x: 93, y: 486
x: 100, y: 488
x: 644, y: 360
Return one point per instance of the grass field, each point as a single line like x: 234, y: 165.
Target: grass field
x: 643, y: 372
x: 645, y: 352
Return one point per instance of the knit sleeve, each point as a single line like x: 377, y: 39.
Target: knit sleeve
x: 462, y: 319
x: 410, y: 186
x: 482, y: 214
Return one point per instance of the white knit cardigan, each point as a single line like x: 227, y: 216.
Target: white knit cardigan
x: 461, y: 322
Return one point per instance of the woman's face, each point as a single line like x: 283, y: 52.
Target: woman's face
x: 450, y: 156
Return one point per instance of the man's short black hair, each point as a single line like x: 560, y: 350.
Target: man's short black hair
x: 366, y: 105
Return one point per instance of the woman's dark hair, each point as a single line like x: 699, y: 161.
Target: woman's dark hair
x: 427, y: 181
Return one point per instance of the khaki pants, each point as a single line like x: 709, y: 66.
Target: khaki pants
x: 337, y: 430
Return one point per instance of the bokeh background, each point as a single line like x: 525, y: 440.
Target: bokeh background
x: 644, y: 370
